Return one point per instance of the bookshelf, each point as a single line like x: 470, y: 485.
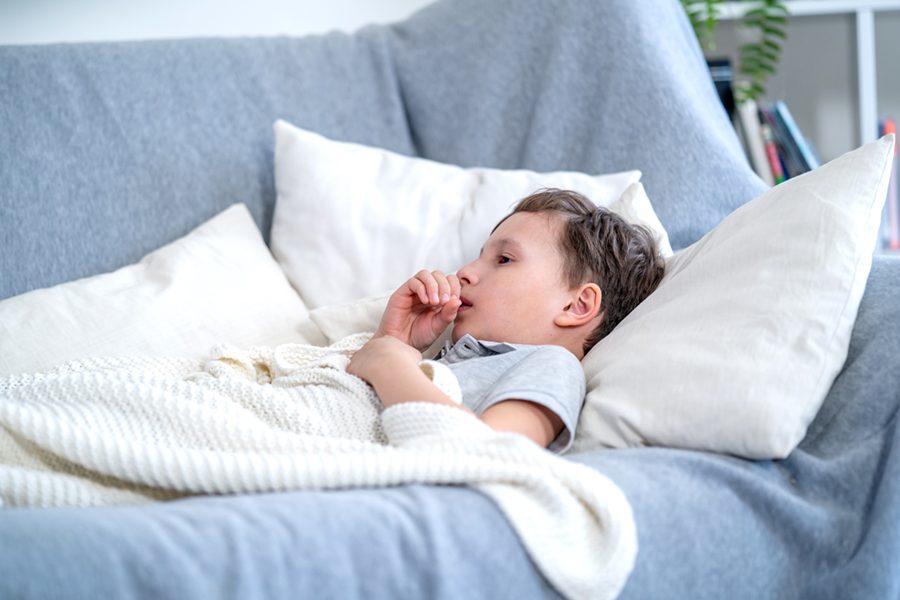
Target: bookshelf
x: 864, y: 14
x: 817, y: 72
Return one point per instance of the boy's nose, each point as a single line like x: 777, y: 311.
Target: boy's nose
x: 467, y: 275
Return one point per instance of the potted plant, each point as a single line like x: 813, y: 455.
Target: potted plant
x: 757, y: 59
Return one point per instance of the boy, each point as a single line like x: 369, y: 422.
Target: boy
x: 555, y: 276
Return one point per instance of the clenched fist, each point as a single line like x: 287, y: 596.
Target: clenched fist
x: 421, y: 309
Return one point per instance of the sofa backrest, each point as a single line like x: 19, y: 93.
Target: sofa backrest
x: 109, y: 150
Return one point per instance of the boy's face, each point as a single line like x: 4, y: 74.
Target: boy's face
x: 514, y: 290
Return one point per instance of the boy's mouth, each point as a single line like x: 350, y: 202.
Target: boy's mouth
x: 465, y: 304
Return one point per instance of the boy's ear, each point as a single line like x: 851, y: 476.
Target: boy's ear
x: 583, y: 308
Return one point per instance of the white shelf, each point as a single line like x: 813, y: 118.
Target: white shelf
x: 865, y: 64
x: 733, y: 10
x: 864, y: 10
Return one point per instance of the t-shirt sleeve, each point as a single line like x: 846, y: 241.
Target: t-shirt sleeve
x: 550, y: 376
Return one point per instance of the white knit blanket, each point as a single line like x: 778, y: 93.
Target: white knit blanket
x: 127, y: 430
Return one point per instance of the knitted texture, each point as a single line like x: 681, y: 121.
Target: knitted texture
x: 137, y: 429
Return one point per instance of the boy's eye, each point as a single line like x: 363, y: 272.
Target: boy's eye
x: 503, y: 259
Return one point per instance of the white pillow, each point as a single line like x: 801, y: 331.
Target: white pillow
x: 337, y: 321
x: 634, y: 206
x: 353, y: 221
x: 218, y: 283
x: 738, y: 347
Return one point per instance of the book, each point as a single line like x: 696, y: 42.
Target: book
x: 772, y: 153
x: 773, y: 141
x: 891, y: 215
x: 793, y: 164
x: 749, y: 116
x: 808, y: 158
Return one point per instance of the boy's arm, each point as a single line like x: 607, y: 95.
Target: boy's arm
x: 392, y: 368
x: 536, y: 422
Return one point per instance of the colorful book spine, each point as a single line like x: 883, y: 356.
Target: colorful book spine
x: 789, y: 156
x: 808, y: 157
x: 772, y: 152
x: 749, y: 116
x: 892, y: 203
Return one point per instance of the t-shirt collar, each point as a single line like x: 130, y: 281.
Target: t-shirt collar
x: 486, y: 347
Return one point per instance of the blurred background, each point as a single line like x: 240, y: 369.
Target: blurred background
x: 818, y: 74
x: 48, y: 21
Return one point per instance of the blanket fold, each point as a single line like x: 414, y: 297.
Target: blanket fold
x: 127, y: 430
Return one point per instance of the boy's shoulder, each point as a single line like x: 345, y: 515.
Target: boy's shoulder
x: 548, y: 352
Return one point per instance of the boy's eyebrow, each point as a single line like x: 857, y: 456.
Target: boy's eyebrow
x: 504, y: 242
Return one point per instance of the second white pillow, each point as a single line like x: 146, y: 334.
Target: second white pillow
x: 353, y: 221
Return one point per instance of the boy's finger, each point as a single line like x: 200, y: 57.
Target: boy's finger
x: 443, y: 286
x: 431, y: 287
x: 448, y: 313
x: 455, y: 285
x: 418, y: 288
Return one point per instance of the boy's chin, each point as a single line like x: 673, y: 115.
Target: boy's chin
x: 457, y: 332
x: 460, y: 330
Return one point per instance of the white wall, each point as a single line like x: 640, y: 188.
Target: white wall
x: 47, y: 21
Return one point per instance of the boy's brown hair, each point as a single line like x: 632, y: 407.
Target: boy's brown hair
x: 601, y: 247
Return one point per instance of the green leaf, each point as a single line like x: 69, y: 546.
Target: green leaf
x: 773, y: 45
x: 774, y: 32
x: 769, y: 56
x: 753, y: 23
x: 750, y: 53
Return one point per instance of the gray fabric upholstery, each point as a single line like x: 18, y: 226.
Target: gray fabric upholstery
x: 409, y: 542
x: 112, y: 150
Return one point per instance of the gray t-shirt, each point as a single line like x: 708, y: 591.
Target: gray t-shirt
x: 490, y: 372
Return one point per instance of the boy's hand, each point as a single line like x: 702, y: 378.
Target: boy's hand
x: 382, y: 357
x: 421, y: 309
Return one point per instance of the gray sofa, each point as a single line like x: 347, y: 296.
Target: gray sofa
x: 110, y: 150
